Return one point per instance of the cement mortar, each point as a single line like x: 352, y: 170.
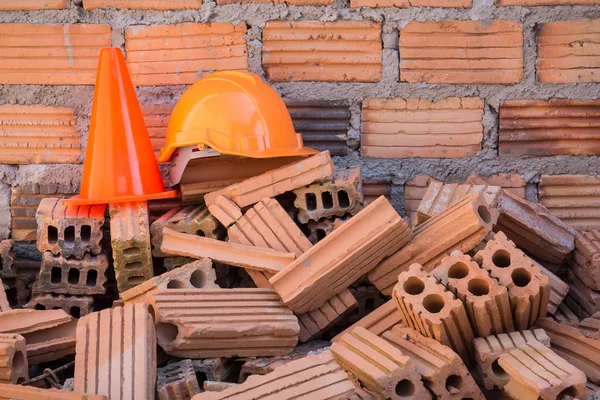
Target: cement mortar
x: 397, y: 171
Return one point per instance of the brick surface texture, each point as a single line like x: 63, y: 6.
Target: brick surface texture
x: 144, y: 4
x: 412, y: 3
x: 34, y: 4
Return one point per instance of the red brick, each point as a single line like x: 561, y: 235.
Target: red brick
x: 13, y: 358
x: 4, y: 306
x: 585, y: 262
x: 156, y: 117
x: 51, y: 54
x: 412, y: 3
x: 405, y: 128
x: 317, y: 321
x: 372, y: 189
x: 34, y: 4
x: 567, y: 52
x: 344, y: 51
x: 38, y: 134
x: 287, y: 2
x: 379, y: 321
x: 182, y: 54
x: 530, y: 3
x: 461, y: 52
x: 144, y: 4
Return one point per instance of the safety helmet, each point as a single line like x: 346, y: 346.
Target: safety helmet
x: 235, y: 113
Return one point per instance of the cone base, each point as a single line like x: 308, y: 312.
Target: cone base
x: 78, y: 201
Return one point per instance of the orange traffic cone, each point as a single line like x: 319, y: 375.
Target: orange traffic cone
x: 120, y: 165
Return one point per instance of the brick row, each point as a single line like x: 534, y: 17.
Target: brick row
x: 372, y: 189
x: 156, y: 117
x: 19, y: 5
x: 144, y: 4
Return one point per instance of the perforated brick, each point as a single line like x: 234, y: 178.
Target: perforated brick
x: 59, y: 274
x: 13, y: 358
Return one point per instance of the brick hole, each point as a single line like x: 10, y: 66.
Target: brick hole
x: 152, y: 313
x: 176, y: 284
x: 166, y: 333
x: 201, y: 378
x: 369, y: 304
x: 343, y: 199
x: 501, y: 259
x: 91, y: 278
x: 135, y: 280
x: 52, y: 235
x: 413, y: 285
x: 55, y: 275
x: 132, y: 251
x: 405, y: 388
x: 498, y: 371
x: 11, y: 295
x: 321, y: 234
x: 70, y: 236
x: 327, y: 200
x: 75, y: 312
x: 39, y: 307
x: 200, y: 232
x: 478, y: 287
x: 57, y: 308
x: 20, y: 380
x: 18, y: 362
x: 521, y: 277
x: 434, y: 303
x: 454, y: 384
x: 73, y: 277
x: 458, y: 270
x: 484, y: 214
x: 568, y: 392
x: 86, y: 234
x: 133, y: 265
x: 198, y: 279
x: 311, y: 201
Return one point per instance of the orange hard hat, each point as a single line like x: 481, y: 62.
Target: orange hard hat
x: 234, y: 113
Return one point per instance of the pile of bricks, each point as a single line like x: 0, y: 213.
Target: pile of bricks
x: 288, y: 284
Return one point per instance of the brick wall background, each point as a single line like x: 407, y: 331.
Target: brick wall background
x: 410, y: 90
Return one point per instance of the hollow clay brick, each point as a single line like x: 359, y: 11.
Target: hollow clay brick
x: 537, y: 372
x: 72, y: 61
x: 7, y: 259
x: 569, y: 343
x: 21, y: 5
x: 69, y: 230
x: 485, y: 300
x: 533, y: 229
x: 198, y: 274
x: 277, y: 181
x: 13, y: 358
x: 459, y: 227
x: 379, y: 321
x: 144, y: 4
x: 177, y: 381
x: 130, y: 241
x: 585, y: 262
x: 581, y: 299
x: 528, y: 288
x: 341, y: 258
x: 319, y: 229
x: 156, y: 231
x: 317, y: 321
x: 590, y: 327
x: 337, y: 195
x: 182, y: 54
x: 4, y: 305
x: 62, y: 275
x: 196, y: 220
x: 315, y: 377
x: 411, y: 3
x: 302, y: 51
x: 9, y: 392
x: 76, y: 306
x: 116, y: 353
x: 225, y: 211
x: 49, y: 334
x: 38, y: 134
x: 427, y: 307
x: 379, y: 366
x: 201, y: 323
x: 564, y: 315
x: 249, y: 257
x: 487, y: 350
x: 442, y: 371
x: 473, y: 52
x: 558, y: 288
x: 406, y: 128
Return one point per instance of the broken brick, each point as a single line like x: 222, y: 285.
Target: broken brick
x: 317, y: 321
x: 4, y: 305
x: 216, y: 369
x: 564, y: 315
x: 13, y: 358
x: 9, y: 392
x: 342, y: 257
x: 76, y: 306
x: 144, y: 4
x: 590, y: 327
x: 585, y: 262
x: 488, y: 350
x: 379, y: 366
x: 225, y: 211
x: 177, y: 380
x: 62, y: 275
x: 442, y: 371
x: 116, y: 353
x: 20, y: 5
x: 583, y: 300
x: 211, y: 386
x: 196, y: 220
x: 7, y: 259
x: 337, y: 195
x: 198, y: 274
x: 558, y: 288
x: 427, y: 307
x: 319, y: 229
x: 381, y: 320
x: 486, y: 301
x: 459, y: 227
x: 196, y: 323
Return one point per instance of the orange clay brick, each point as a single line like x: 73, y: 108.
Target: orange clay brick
x: 487, y: 350
x: 342, y: 257
x: 508, y: 182
x: 405, y: 128
x: 144, y: 4
x: 9, y: 392
x: 4, y: 305
x: 567, y: 51
x: 414, y: 191
x: 287, y: 2
x: 19, y: 5
x: 530, y: 3
x: 583, y: 300
x: 443, y: 372
x: 13, y: 358
x: 51, y: 54
x: 537, y: 372
x: 590, y: 327
x: 116, y: 353
x: 564, y: 315
x: 549, y: 127
x: 76, y: 306
x: 378, y: 365
x: 412, y: 3
x: 341, y: 51
x: 461, y: 226
x: 205, y: 323
x: 317, y: 321
x: 585, y: 262
x: 156, y: 117
x: 182, y: 54
x: 461, y: 52
x: 38, y: 134
x: 572, y: 198
x: 373, y: 189
x: 485, y: 300
x: 225, y: 211
x: 528, y: 288
x: 381, y: 320
x: 427, y: 307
